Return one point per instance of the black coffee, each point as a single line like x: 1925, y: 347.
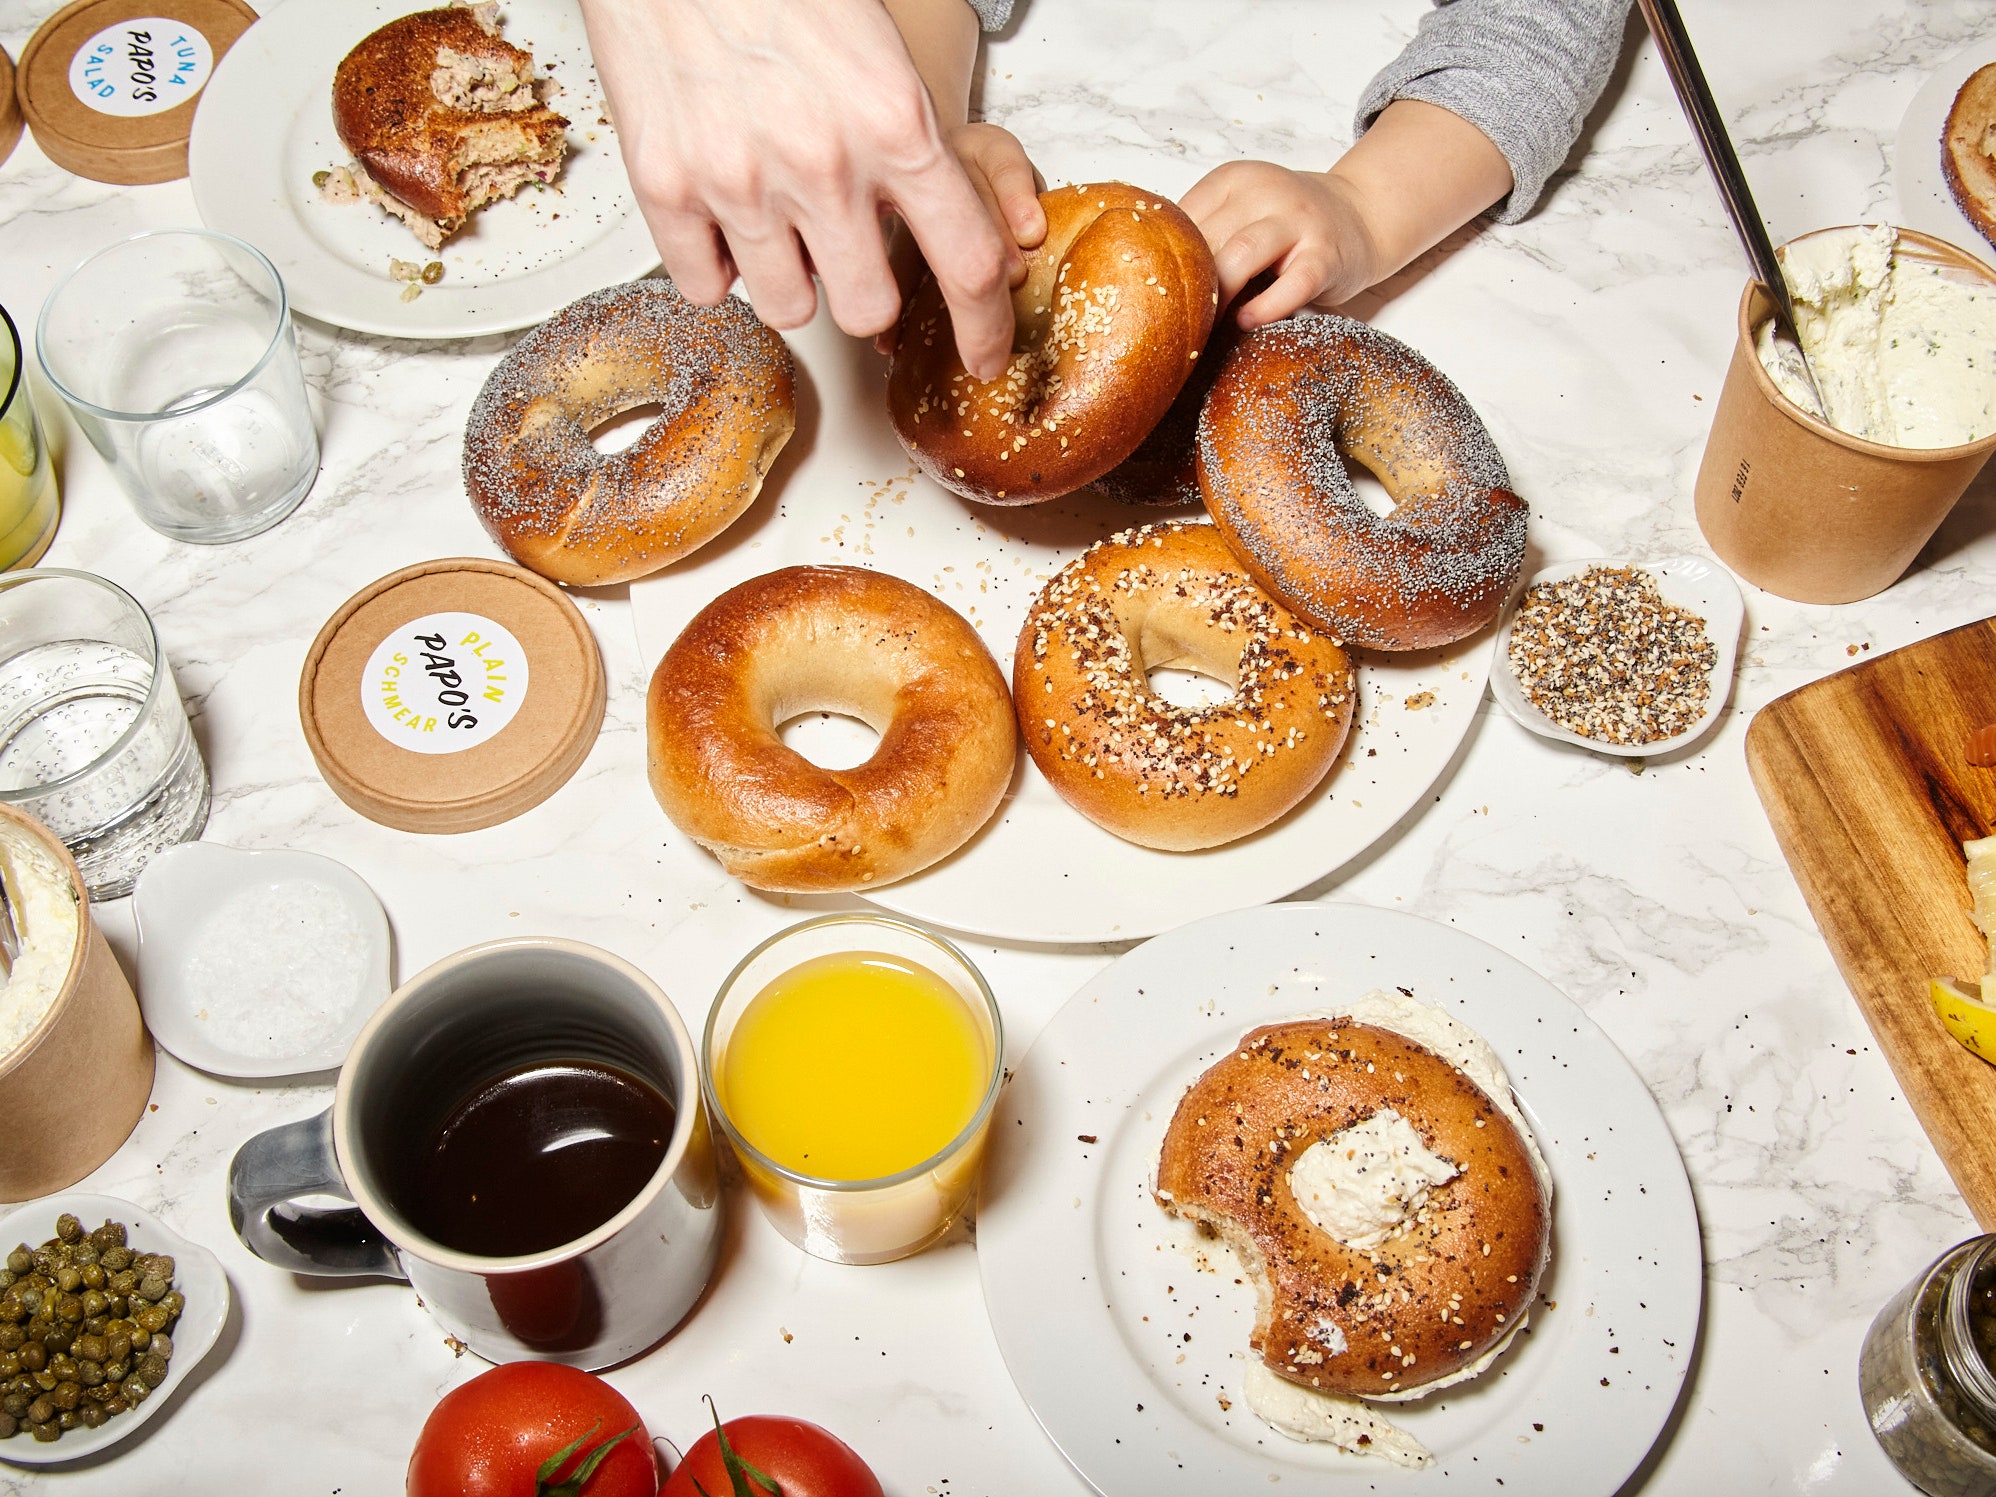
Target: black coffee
x: 535, y: 1157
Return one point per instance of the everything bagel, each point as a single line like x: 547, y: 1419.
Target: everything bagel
x: 1385, y: 1313
x: 1150, y: 771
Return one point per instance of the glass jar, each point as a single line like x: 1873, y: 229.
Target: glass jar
x: 1925, y: 1375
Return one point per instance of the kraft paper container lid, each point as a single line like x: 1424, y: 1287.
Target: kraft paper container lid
x: 109, y: 86
x: 452, y: 695
x: 10, y: 109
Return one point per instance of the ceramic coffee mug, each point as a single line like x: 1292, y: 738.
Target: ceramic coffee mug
x: 592, y: 1302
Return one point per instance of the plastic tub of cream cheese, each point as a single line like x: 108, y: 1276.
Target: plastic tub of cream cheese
x: 1833, y: 509
x: 76, y: 1063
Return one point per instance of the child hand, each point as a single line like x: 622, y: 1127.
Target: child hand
x: 1009, y: 186
x: 1305, y: 226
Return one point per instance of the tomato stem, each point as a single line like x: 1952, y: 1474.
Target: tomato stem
x: 740, y: 1472
x: 575, y: 1483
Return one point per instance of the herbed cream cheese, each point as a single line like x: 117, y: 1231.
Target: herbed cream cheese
x: 1365, y: 1185
x: 1904, y: 352
x: 46, y: 919
x: 1318, y: 1418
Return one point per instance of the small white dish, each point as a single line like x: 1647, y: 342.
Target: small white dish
x: 197, y: 1274
x: 182, y: 891
x: 1694, y: 583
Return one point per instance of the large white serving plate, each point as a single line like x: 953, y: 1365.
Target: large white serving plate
x: 1925, y: 203
x: 265, y: 125
x: 1124, y: 1330
x: 845, y: 492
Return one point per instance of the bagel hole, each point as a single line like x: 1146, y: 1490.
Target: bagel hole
x: 1188, y: 688
x: 624, y: 428
x: 830, y: 740
x: 1370, y: 489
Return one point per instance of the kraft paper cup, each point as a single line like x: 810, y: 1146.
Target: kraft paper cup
x: 75, y: 1088
x: 1806, y: 511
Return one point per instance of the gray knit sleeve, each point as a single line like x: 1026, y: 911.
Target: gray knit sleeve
x: 992, y: 14
x: 1524, y: 72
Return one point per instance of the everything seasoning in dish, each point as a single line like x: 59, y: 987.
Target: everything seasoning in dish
x: 1604, y: 656
x: 84, y: 1323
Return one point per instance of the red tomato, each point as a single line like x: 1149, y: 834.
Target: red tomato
x: 802, y: 1459
x: 490, y: 1437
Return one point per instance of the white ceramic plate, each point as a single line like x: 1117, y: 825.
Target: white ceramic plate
x: 1689, y: 582
x: 844, y: 492
x: 197, y: 1274
x: 1123, y: 1329
x: 1924, y: 200
x: 183, y: 888
x: 265, y: 124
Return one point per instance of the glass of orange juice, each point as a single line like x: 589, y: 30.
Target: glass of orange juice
x: 28, y: 506
x: 852, y: 1061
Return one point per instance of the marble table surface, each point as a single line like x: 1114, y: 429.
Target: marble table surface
x: 1592, y: 337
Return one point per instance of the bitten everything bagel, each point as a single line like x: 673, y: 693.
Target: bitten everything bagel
x: 1111, y: 317
x: 725, y: 383
x: 838, y: 639
x: 1151, y: 771
x: 1291, y: 404
x: 1387, y: 1209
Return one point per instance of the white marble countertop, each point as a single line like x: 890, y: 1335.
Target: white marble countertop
x: 1592, y: 337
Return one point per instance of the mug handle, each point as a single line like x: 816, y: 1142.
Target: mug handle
x: 281, y: 1164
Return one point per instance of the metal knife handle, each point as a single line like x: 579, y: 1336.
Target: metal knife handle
x: 1673, y: 44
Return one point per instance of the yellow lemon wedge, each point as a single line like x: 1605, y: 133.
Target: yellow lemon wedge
x: 1971, y: 1021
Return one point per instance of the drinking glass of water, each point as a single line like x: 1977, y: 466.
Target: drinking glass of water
x: 176, y: 353
x: 94, y: 741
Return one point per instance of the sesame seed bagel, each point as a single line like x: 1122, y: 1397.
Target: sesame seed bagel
x: 577, y: 515
x: 1387, y: 1319
x: 1292, y: 403
x: 1115, y: 306
x: 1165, y: 776
x: 835, y: 639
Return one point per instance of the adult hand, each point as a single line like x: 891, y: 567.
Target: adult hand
x: 767, y: 137
x: 1008, y: 184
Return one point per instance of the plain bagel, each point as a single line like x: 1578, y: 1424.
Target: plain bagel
x: 1115, y: 308
x: 725, y: 383
x: 1291, y: 404
x: 838, y: 639
x: 1152, y: 772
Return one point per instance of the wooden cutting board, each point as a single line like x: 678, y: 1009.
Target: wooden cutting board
x: 1864, y: 777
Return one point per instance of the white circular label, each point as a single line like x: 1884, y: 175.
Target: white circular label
x: 142, y: 66
x: 444, y: 683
